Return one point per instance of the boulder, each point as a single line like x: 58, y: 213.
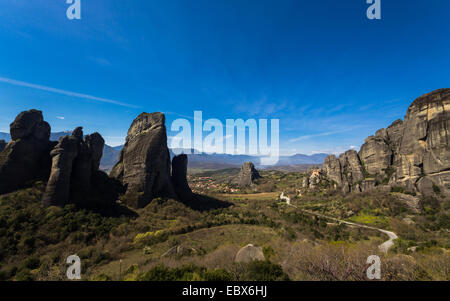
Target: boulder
x: 249, y: 253
x: 26, y: 157
x: 247, y: 175
x: 179, y: 178
x: 144, y: 162
x: 412, y: 202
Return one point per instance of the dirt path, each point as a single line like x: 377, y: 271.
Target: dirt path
x: 384, y: 247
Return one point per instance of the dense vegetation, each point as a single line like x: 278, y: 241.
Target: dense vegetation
x: 131, y: 245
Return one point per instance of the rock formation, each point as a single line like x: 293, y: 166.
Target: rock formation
x: 346, y: 171
x: 250, y: 253
x: 70, y: 167
x: 314, y: 177
x: 144, y: 162
x: 413, y: 153
x: 423, y: 159
x: 2, y: 145
x: 376, y: 153
x: 26, y: 157
x: 179, y: 177
x: 247, y: 175
x: 75, y: 161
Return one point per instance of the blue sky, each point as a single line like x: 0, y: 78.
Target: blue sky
x: 329, y: 74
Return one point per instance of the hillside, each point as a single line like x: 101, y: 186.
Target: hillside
x: 155, y: 218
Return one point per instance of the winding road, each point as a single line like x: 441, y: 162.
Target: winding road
x: 384, y: 247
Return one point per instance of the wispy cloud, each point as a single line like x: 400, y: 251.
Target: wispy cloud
x: 64, y: 92
x: 100, y: 61
x: 305, y: 137
x: 60, y: 117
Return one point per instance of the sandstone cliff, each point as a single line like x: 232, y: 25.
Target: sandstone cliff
x: 413, y: 153
x: 144, y: 165
x: 26, y: 157
x: 70, y: 167
x: 75, y: 162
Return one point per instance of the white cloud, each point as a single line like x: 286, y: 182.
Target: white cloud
x: 60, y: 117
x: 64, y: 92
x: 100, y: 61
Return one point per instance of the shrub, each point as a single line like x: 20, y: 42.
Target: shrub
x: 268, y: 252
x: 264, y: 271
x: 436, y: 189
x: 218, y: 275
x: 151, y: 238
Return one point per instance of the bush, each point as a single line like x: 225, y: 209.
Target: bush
x: 31, y: 263
x: 264, y: 271
x: 436, y: 189
x: 162, y: 273
x: 218, y: 275
x: 151, y: 238
x: 24, y: 275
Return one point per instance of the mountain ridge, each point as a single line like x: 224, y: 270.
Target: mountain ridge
x: 196, y: 160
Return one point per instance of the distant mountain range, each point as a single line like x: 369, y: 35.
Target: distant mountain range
x: 200, y: 160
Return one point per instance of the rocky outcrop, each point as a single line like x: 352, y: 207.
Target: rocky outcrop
x: 144, y: 162
x: 70, y: 167
x: 413, y: 153
x: 26, y: 157
x: 247, y: 175
x: 313, y: 178
x: 179, y: 177
x: 376, y: 153
x: 333, y: 169
x: 249, y: 253
x: 423, y: 153
x: 75, y: 162
x: 352, y: 170
x: 346, y: 172
x: 2, y: 145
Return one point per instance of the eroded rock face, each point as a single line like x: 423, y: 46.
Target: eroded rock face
x: 179, y: 177
x: 144, y: 163
x: 26, y: 157
x: 75, y: 164
x: 333, y: 170
x: 414, y: 153
x: 352, y: 169
x: 376, y: 154
x: 247, y: 175
x: 424, y: 153
x: 395, y: 133
x: 58, y: 187
x: 346, y: 172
